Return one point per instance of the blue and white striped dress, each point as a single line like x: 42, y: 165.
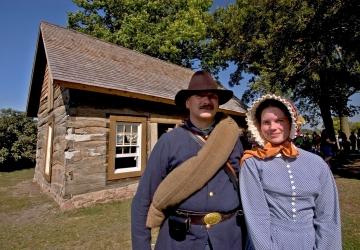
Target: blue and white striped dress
x: 290, y: 204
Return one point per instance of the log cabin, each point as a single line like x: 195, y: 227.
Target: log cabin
x: 100, y: 109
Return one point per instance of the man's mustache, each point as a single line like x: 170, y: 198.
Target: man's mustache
x: 207, y: 106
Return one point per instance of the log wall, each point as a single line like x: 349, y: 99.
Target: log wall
x: 81, y: 142
x: 58, y: 115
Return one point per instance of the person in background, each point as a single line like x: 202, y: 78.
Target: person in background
x: 327, y: 147
x: 358, y: 139
x: 190, y: 185
x: 343, y: 141
x: 316, y: 140
x: 353, y: 139
x: 289, y: 195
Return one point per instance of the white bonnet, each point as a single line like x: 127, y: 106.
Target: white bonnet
x: 253, y: 125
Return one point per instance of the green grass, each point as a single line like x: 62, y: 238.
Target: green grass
x: 350, y: 212
x: 30, y: 219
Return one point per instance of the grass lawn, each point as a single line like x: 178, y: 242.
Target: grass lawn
x: 30, y: 219
x: 350, y: 212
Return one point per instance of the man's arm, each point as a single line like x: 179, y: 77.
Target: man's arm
x: 151, y: 178
x: 236, y: 155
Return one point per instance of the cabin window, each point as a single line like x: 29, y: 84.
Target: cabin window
x: 48, y: 154
x: 161, y: 125
x: 164, y: 128
x: 127, y: 150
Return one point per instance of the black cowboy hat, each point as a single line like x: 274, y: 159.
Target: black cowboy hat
x: 202, y: 81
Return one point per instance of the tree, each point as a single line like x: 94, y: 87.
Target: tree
x: 306, y: 50
x: 171, y: 30
x: 17, y: 140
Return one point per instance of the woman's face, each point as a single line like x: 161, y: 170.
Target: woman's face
x: 275, y: 125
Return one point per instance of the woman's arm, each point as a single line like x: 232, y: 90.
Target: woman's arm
x: 327, y: 213
x: 256, y: 210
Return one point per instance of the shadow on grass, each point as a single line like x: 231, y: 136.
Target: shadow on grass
x: 347, y: 165
x: 18, y: 165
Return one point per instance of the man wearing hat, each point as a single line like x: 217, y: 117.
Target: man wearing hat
x: 189, y: 188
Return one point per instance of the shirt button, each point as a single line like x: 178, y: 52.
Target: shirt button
x: 293, y: 187
x: 291, y: 176
x: 293, y: 198
x: 293, y: 203
x: 294, y: 210
x: 289, y: 171
x: 292, y: 182
x: 293, y: 193
x: 211, y: 194
x: 288, y: 166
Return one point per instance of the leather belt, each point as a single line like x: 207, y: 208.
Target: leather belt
x: 205, y: 218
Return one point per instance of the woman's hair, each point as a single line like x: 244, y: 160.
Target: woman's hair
x: 271, y: 103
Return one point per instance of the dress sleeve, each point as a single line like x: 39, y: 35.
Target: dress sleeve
x: 327, y: 213
x: 151, y: 178
x: 256, y: 210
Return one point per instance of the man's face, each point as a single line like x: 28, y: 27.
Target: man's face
x: 203, y: 106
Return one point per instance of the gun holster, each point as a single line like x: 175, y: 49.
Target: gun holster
x: 240, y: 220
x: 178, y: 227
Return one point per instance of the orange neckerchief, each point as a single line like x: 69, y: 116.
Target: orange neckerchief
x: 287, y: 148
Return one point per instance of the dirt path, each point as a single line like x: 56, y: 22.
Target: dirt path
x: 26, y: 203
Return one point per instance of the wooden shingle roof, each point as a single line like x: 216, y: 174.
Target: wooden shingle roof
x: 79, y: 61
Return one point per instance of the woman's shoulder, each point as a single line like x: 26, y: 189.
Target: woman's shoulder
x: 310, y: 157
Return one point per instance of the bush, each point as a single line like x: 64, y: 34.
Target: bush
x: 17, y: 140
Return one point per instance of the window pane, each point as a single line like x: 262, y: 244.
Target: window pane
x: 119, y: 150
x: 119, y: 128
x: 128, y: 129
x: 119, y: 139
x: 132, y: 139
x: 125, y: 162
x: 135, y: 129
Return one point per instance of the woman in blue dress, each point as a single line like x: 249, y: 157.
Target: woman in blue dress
x: 288, y: 194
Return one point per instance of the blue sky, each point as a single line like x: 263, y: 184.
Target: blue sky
x: 19, y: 22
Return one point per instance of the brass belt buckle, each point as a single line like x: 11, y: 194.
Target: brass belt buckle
x: 212, y: 219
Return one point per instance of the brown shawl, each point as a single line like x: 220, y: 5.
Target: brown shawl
x: 194, y: 173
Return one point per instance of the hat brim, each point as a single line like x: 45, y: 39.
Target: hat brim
x: 224, y: 95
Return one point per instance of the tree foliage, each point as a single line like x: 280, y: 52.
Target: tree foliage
x: 353, y: 126
x: 306, y: 50
x: 172, y: 30
x: 17, y: 139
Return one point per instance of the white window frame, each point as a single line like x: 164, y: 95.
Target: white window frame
x: 137, y: 154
